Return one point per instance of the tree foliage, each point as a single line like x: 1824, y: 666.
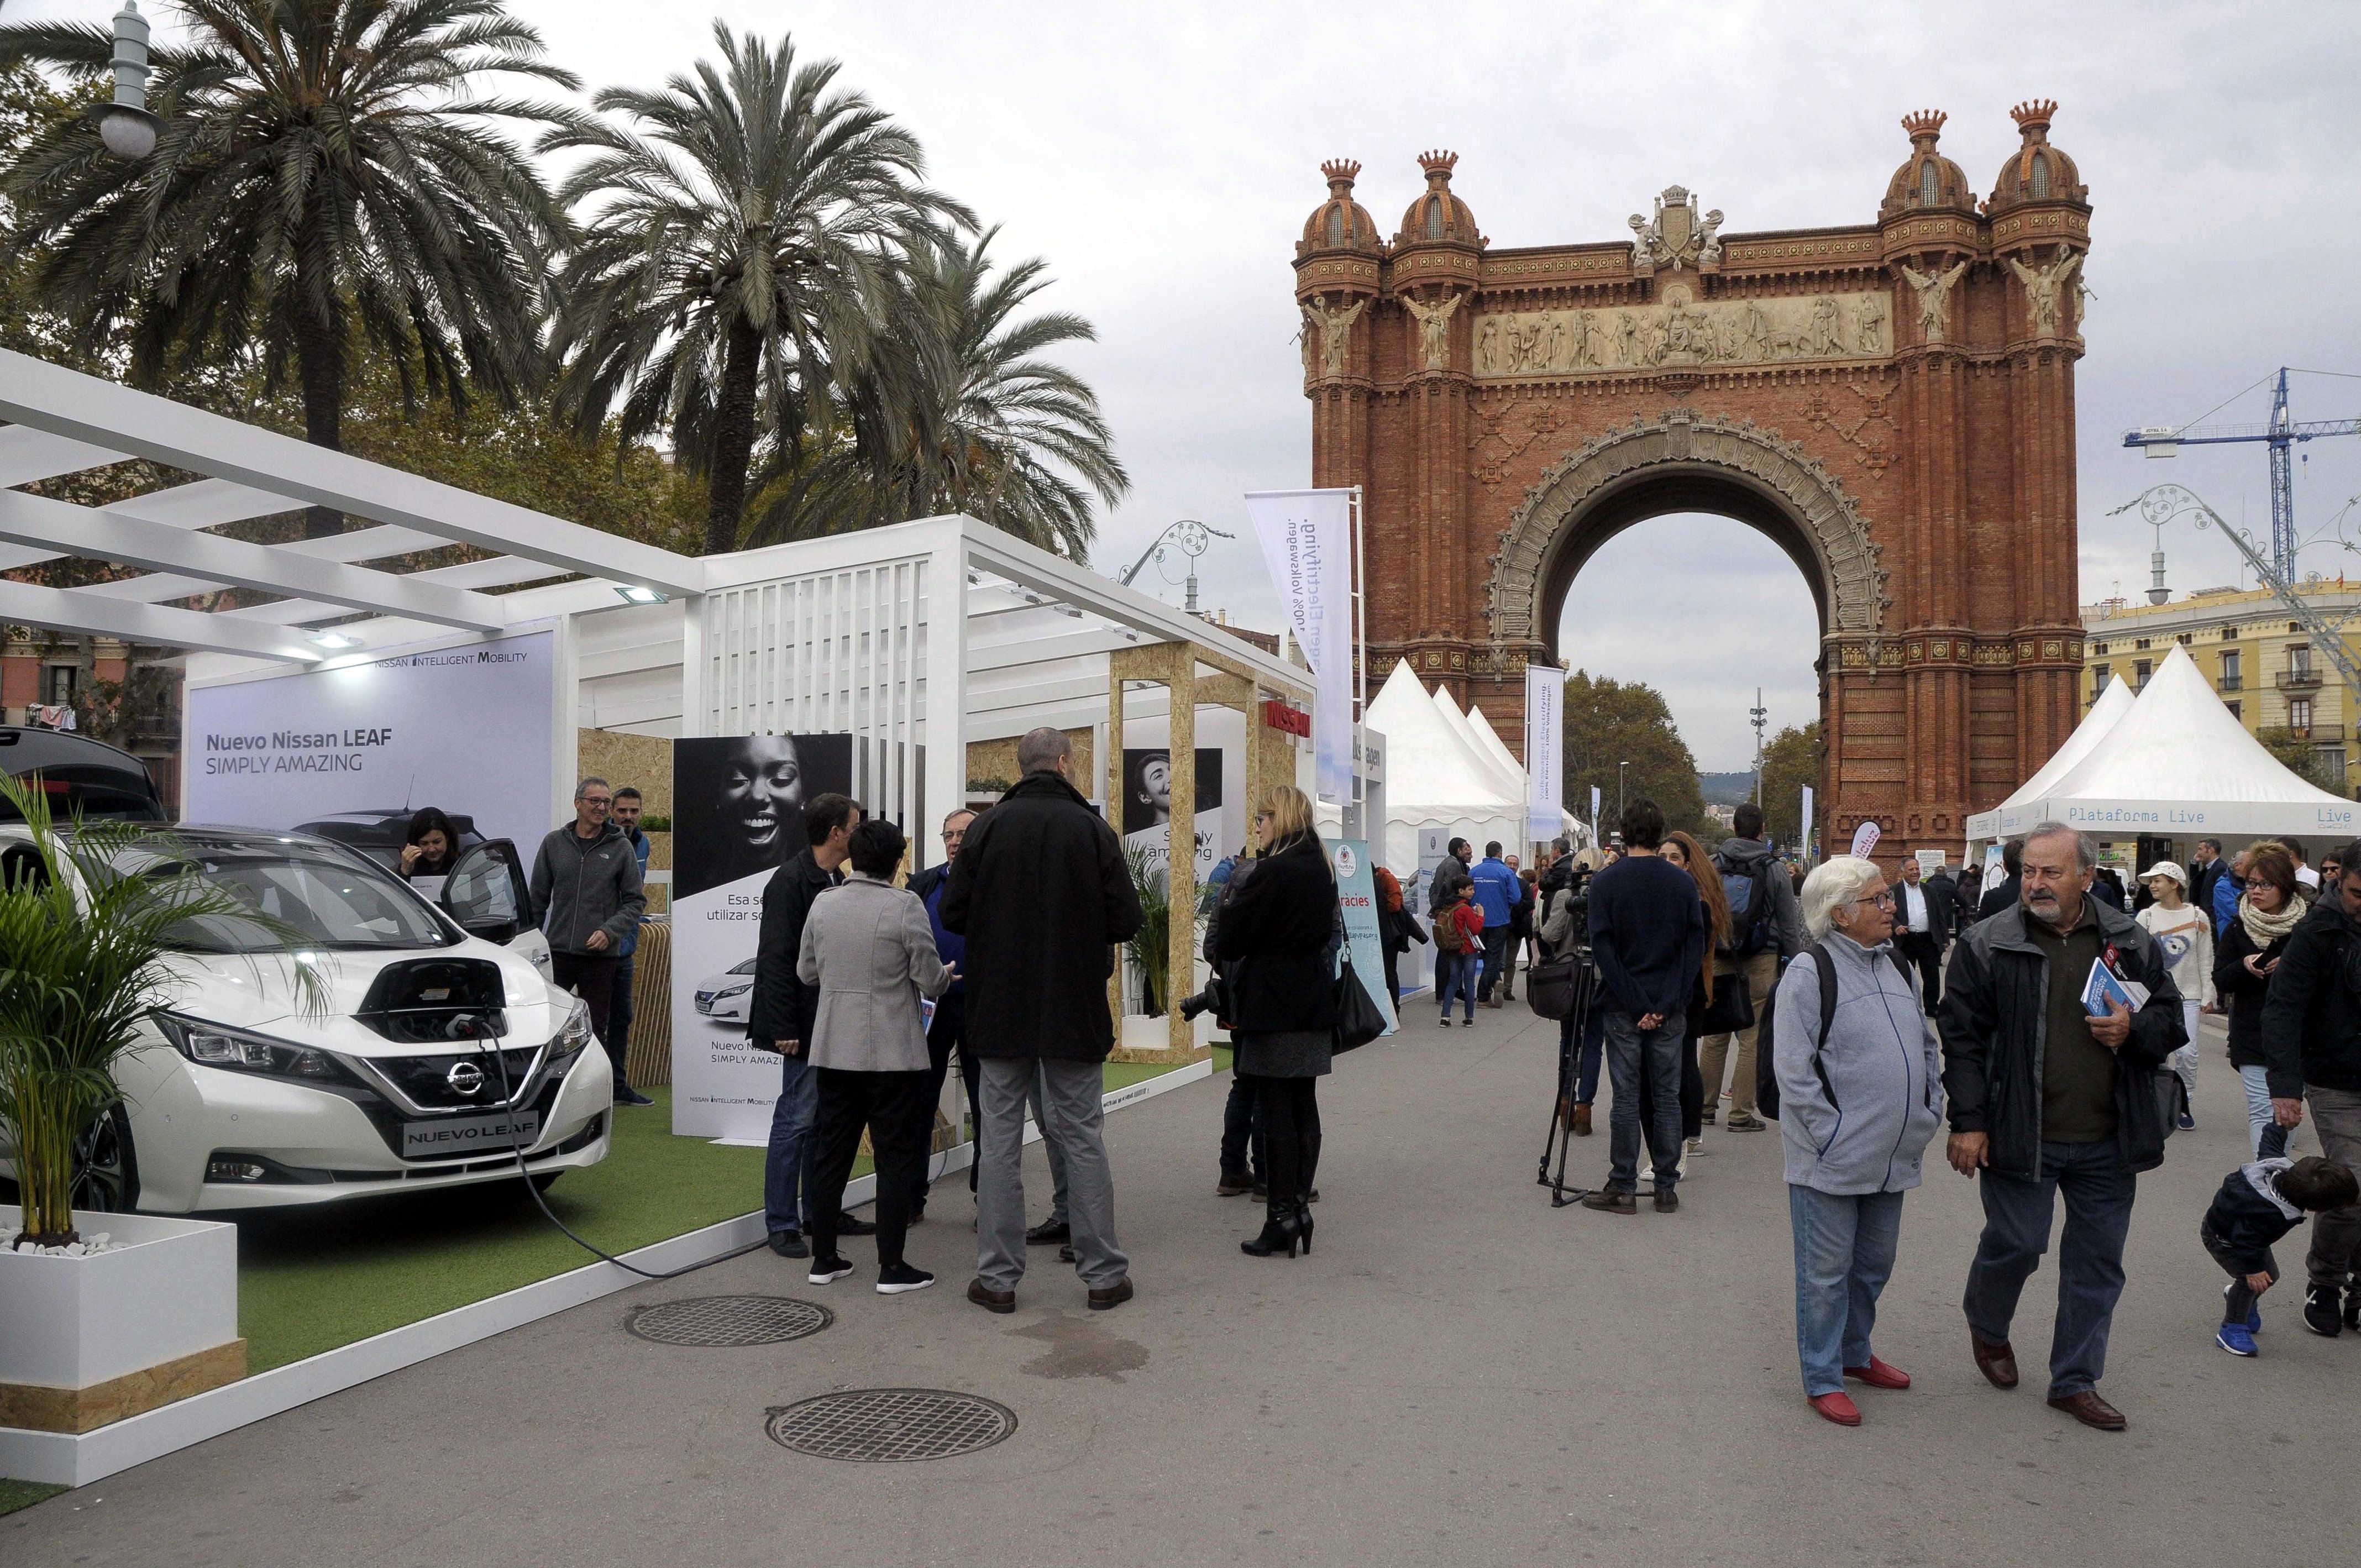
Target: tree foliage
x: 1791, y: 760
x: 1608, y: 722
x: 328, y: 181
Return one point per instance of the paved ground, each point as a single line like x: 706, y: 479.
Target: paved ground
x: 1459, y: 1375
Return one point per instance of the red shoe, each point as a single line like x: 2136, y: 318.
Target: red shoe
x: 1878, y: 1374
x: 1838, y: 1408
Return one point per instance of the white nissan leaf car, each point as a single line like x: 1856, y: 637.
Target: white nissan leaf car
x: 442, y: 1050
x: 728, y: 997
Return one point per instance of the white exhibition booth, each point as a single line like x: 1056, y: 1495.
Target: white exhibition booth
x: 339, y: 683
x: 2171, y: 763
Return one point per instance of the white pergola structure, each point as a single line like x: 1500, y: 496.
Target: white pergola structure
x: 833, y: 635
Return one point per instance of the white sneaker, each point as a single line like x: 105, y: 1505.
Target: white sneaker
x: 1694, y: 1145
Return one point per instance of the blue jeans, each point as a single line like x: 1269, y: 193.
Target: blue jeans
x: 1656, y: 1052
x: 1455, y: 974
x: 2265, y: 1136
x: 1844, y: 1255
x: 2099, y: 1188
x: 1594, y: 1051
x: 1496, y: 957
x: 788, y: 1167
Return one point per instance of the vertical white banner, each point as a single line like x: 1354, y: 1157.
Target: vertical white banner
x: 1808, y: 820
x: 1545, y: 752
x: 1307, y: 540
x: 1593, y: 809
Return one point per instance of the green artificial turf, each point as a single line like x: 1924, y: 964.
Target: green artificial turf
x: 15, y: 1495
x: 311, y: 1279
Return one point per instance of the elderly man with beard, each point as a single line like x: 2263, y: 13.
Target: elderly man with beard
x: 2046, y: 1098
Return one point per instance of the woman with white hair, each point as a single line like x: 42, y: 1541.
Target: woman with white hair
x: 1860, y: 1096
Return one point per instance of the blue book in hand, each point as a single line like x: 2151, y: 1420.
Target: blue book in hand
x: 2102, y: 989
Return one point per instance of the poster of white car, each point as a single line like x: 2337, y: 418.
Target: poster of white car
x: 726, y: 997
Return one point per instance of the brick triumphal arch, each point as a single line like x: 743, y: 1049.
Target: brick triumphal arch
x: 1891, y: 402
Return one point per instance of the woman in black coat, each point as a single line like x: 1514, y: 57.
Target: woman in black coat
x: 2267, y: 915
x: 1278, y: 934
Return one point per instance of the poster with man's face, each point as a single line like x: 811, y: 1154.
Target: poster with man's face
x: 738, y: 802
x: 1147, y: 818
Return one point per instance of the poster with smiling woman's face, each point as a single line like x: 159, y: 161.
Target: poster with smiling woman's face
x: 739, y: 802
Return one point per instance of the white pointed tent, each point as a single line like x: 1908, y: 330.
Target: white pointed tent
x: 1435, y: 775
x: 2179, y: 765
x: 2010, y: 816
x: 1445, y: 770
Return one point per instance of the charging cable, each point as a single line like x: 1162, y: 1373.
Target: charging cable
x: 472, y: 1026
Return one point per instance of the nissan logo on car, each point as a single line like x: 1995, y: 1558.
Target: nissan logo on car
x: 465, y: 1078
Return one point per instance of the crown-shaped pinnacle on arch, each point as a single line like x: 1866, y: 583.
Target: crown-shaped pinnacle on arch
x: 2034, y: 114
x: 1340, y: 173
x: 1438, y: 166
x: 1927, y: 122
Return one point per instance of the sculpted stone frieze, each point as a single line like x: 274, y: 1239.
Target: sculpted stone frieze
x: 1852, y: 579
x: 1681, y: 331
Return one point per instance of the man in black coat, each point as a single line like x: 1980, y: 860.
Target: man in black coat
x: 779, y: 1018
x: 1454, y: 865
x: 1043, y: 895
x: 2045, y: 1100
x: 1924, y: 919
x: 2204, y: 872
x: 2312, y: 1051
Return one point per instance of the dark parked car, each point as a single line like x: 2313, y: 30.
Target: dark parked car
x: 79, y: 774
x: 379, y: 834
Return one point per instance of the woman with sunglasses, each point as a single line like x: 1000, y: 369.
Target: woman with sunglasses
x: 1279, y: 934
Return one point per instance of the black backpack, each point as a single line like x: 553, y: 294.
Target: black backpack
x: 1766, y: 1074
x: 1746, y: 883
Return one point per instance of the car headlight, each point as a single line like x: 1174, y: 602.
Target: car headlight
x: 214, y: 1045
x: 571, y: 1037
x: 728, y: 990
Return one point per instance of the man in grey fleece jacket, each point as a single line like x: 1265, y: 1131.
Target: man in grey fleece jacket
x: 587, y: 897
x: 1781, y: 935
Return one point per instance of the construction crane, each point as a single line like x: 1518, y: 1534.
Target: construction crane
x: 2280, y: 434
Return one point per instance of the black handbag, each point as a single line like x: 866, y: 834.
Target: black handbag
x: 1550, y: 986
x: 1359, y: 1019
x: 1731, y: 1009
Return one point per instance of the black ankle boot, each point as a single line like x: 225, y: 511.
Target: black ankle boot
x: 1279, y: 1229
x: 1304, y: 1222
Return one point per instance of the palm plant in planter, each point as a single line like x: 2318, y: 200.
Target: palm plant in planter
x: 1151, y: 945
x: 87, y: 918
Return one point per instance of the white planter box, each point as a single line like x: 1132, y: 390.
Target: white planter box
x: 1153, y: 1032
x: 165, y: 1291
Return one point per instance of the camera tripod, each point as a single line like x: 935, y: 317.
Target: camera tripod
x: 1569, y: 1069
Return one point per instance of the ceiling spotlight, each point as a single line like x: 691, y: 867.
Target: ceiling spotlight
x: 632, y: 593
x: 331, y: 640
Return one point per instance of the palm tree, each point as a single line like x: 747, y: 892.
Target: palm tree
x: 328, y: 177
x: 740, y: 241
x: 954, y: 411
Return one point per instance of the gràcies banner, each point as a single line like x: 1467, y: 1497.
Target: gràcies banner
x: 352, y: 751
x: 1307, y: 539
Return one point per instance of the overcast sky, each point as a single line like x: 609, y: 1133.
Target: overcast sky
x: 1163, y: 160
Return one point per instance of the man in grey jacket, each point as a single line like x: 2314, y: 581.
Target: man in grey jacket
x: 2047, y: 1102
x: 587, y: 897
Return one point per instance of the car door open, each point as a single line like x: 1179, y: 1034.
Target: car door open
x: 487, y: 892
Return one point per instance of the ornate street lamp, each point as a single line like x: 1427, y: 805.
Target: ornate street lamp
x: 126, y: 125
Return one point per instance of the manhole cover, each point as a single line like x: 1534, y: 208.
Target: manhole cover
x: 888, y: 1424
x: 718, y: 1320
